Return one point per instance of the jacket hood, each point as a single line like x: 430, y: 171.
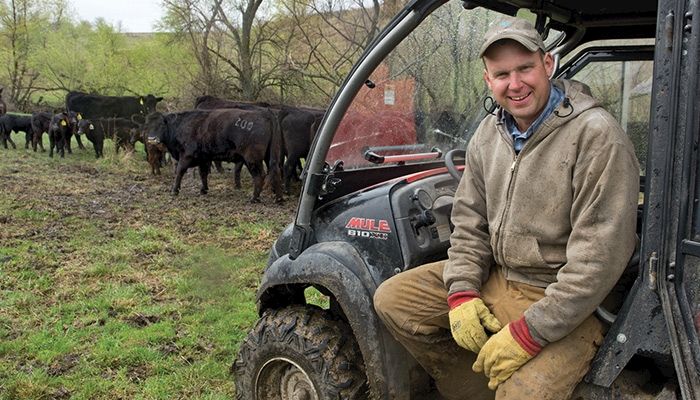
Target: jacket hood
x: 577, y: 99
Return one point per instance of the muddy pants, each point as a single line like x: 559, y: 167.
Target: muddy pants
x: 413, y: 306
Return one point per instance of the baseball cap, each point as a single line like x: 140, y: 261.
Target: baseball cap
x: 516, y: 29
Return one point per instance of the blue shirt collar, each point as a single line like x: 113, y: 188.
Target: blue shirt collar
x: 556, y: 96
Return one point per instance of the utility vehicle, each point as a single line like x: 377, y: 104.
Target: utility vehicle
x: 381, y: 176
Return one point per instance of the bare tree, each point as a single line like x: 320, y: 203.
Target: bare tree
x: 23, y: 25
x: 193, y: 20
x: 329, y: 37
x: 17, y: 34
x: 229, y: 40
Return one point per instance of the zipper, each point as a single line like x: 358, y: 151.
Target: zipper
x: 509, y: 194
x: 505, y: 135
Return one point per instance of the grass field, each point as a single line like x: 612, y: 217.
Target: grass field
x: 112, y: 289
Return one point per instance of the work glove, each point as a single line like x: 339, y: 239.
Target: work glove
x: 469, y: 320
x: 505, y: 352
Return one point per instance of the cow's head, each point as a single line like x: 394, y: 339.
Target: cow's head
x: 85, y: 127
x: 60, y: 121
x: 155, y: 128
x: 73, y: 119
x: 148, y: 103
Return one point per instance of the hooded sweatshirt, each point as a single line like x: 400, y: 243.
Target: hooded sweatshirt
x: 560, y: 214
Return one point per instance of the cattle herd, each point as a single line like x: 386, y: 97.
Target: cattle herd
x: 270, y: 140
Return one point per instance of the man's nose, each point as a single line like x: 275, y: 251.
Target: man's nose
x: 514, y: 80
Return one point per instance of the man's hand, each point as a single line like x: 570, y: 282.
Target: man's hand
x: 505, y: 352
x: 469, y: 322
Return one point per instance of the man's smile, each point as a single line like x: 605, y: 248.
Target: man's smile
x: 520, y: 98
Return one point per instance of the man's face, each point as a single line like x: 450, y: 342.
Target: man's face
x: 518, y: 79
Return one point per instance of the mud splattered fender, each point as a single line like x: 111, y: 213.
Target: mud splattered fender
x: 338, y: 267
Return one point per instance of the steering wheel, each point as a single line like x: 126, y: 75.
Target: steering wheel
x: 450, y: 162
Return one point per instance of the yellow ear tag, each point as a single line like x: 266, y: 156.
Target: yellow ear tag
x: 141, y: 101
x: 92, y: 126
x: 79, y: 117
x: 63, y: 123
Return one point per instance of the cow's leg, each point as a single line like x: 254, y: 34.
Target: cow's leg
x: 164, y: 160
x: 61, y: 147
x: 3, y: 139
x: 274, y: 172
x: 219, y: 168
x: 237, y: 174
x: 66, y: 144
x: 155, y: 164
x: 299, y: 170
x: 51, y: 145
x: 9, y: 139
x: 152, y: 161
x: 27, y: 139
x: 38, y: 139
x: 256, y: 171
x: 204, y: 169
x: 80, y: 142
x: 156, y: 161
x: 181, y: 168
x: 290, y: 167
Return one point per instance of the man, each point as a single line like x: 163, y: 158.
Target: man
x: 544, y: 222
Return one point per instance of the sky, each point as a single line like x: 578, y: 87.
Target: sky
x: 134, y: 15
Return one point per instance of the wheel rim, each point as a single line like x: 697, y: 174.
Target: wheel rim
x: 282, y: 378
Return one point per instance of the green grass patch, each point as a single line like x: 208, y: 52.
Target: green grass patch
x: 111, y: 288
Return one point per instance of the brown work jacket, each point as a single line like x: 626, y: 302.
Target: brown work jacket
x: 561, y: 214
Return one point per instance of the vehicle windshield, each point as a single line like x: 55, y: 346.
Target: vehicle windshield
x: 427, y: 97
x: 428, y: 94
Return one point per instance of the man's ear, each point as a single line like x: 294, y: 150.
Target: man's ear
x: 548, y: 61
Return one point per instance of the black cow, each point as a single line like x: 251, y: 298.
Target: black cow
x: 94, y: 106
x: 208, y: 102
x: 298, y: 124
x: 120, y: 130
x: 40, y: 124
x: 94, y: 134
x: 298, y: 130
x: 155, y: 154
x: 73, y: 119
x: 198, y: 137
x: 16, y: 123
x: 59, y: 131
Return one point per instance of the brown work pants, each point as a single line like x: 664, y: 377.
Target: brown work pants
x: 413, y: 306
